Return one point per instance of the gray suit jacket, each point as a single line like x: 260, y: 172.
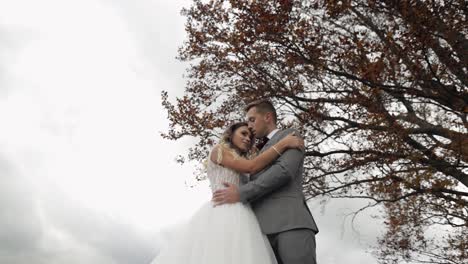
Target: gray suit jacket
x: 275, y: 193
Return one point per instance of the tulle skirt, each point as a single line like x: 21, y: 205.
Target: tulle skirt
x: 226, y: 234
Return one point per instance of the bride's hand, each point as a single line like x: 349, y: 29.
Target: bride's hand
x: 292, y: 141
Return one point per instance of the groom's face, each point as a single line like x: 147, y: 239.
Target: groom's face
x: 257, y: 122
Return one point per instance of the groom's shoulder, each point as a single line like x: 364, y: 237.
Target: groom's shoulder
x: 287, y: 131
x: 290, y: 129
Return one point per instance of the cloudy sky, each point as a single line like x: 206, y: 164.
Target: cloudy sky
x: 84, y: 175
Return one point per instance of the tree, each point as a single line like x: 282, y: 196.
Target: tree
x: 378, y: 89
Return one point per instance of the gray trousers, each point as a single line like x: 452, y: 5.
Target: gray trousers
x: 295, y: 246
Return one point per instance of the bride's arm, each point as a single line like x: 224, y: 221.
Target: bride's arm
x: 256, y: 164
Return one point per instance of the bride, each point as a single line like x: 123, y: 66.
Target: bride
x: 227, y: 233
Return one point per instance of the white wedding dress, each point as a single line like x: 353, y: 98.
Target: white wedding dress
x: 225, y: 234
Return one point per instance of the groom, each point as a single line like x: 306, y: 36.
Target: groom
x: 275, y: 193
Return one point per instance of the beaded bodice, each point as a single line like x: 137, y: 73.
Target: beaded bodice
x: 218, y: 174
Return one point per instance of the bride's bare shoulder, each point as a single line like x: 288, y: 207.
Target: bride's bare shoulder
x: 218, y: 152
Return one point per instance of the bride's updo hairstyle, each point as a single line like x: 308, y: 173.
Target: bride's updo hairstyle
x: 229, y: 133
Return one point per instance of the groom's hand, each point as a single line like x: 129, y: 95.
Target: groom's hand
x: 226, y: 196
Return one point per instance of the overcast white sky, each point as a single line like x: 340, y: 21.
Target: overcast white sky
x: 84, y: 175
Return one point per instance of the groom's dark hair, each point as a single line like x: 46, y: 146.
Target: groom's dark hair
x: 263, y: 106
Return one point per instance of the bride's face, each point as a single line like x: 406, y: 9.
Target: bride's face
x: 241, y: 138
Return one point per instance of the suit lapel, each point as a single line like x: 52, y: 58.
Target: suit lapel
x: 272, y: 141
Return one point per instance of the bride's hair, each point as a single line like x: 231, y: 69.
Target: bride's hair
x: 229, y: 133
